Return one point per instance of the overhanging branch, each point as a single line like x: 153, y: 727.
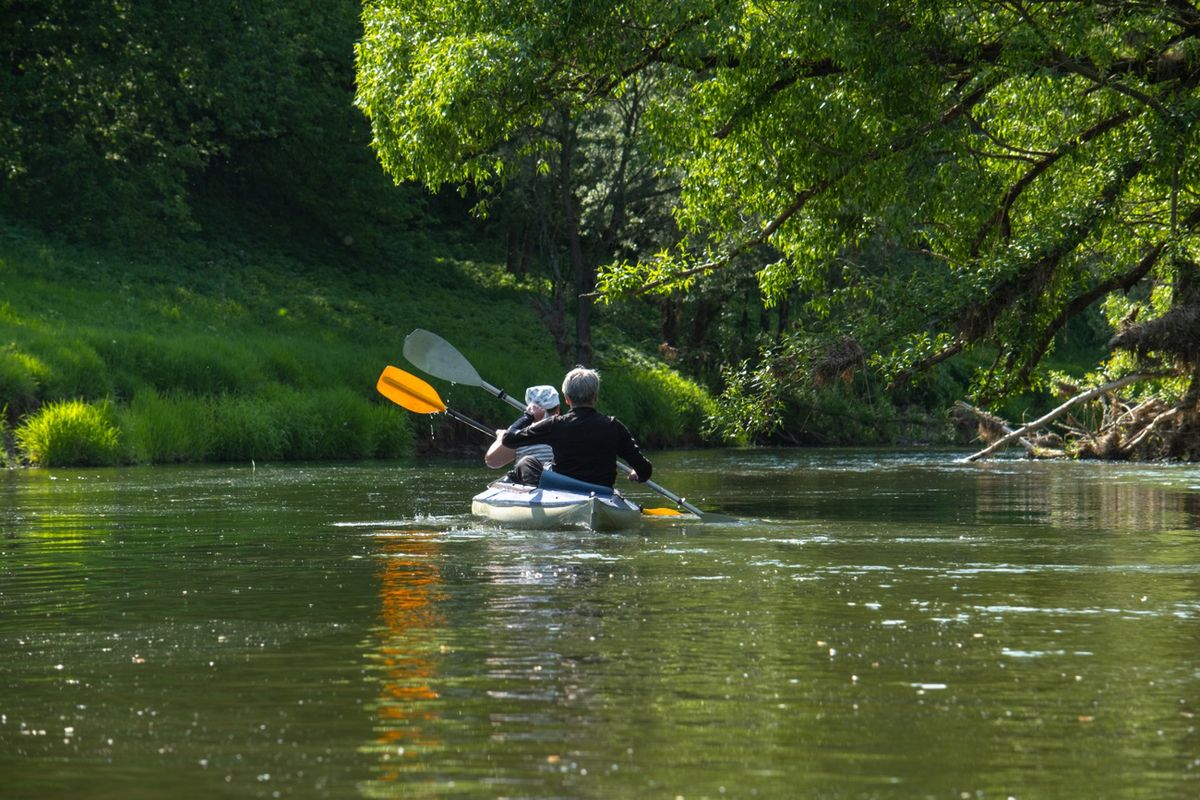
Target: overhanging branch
x: 802, y: 198
x: 1001, y: 216
x: 1123, y: 282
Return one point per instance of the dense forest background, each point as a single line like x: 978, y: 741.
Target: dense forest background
x: 209, y: 251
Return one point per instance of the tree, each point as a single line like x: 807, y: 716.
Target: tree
x: 569, y: 174
x: 1015, y: 163
x: 116, y: 116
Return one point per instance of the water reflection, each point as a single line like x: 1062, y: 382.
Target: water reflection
x: 874, y: 627
x: 405, y: 660
x: 1073, y: 495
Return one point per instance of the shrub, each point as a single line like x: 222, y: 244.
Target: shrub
x: 70, y: 433
x: 163, y: 429
x: 659, y: 405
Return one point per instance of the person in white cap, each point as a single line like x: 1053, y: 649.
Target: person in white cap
x: 540, y: 402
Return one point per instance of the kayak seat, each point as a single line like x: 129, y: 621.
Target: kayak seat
x: 556, y: 481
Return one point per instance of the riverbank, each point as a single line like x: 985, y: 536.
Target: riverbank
x: 244, y: 349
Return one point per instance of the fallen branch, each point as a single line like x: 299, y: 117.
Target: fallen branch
x: 1134, y: 413
x: 1058, y: 412
x: 1146, y: 431
x: 993, y: 421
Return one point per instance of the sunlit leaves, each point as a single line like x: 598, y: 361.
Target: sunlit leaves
x: 1022, y: 155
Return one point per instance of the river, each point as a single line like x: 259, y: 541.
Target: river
x: 874, y: 625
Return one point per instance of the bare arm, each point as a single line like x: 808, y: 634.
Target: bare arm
x: 498, y: 455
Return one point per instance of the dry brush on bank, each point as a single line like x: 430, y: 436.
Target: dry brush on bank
x: 1101, y: 422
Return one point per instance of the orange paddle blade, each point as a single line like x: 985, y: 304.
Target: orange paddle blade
x: 407, y: 390
x: 663, y: 512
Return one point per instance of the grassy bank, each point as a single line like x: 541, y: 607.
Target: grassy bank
x: 244, y: 349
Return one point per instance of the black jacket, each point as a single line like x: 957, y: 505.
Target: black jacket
x: 586, y: 445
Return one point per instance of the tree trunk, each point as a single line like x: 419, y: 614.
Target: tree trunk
x: 585, y: 276
x: 516, y: 247
x: 669, y: 308
x: 554, y: 316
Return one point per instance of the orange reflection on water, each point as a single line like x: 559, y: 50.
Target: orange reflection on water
x: 406, y: 659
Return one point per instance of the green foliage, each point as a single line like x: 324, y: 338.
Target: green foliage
x: 750, y: 407
x: 163, y: 429
x: 930, y: 177
x: 199, y: 137
x: 658, y: 404
x: 121, y: 120
x: 70, y: 433
x: 457, y: 95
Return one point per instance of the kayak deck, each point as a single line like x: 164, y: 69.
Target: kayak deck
x: 537, y: 507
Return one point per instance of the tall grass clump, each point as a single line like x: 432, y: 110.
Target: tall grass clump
x: 245, y: 429
x: 390, y: 431
x: 163, y: 429
x: 322, y: 424
x: 341, y: 424
x: 69, y: 433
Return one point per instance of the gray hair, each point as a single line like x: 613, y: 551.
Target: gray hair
x: 582, y: 386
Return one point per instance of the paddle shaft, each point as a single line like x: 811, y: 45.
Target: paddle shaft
x: 667, y: 493
x: 479, y: 426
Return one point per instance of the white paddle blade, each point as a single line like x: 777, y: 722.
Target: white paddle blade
x: 432, y: 354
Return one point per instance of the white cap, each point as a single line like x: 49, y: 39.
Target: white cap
x: 544, y: 396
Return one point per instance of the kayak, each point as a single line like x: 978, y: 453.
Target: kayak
x: 557, y: 502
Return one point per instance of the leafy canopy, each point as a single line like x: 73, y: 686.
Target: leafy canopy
x: 931, y: 175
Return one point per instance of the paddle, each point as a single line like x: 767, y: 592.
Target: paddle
x: 433, y: 354
x: 408, y: 391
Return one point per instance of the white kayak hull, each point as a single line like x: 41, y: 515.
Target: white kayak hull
x: 534, y: 507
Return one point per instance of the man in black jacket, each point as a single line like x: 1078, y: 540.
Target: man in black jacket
x: 586, y: 443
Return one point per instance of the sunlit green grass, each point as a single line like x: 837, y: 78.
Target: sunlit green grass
x: 70, y: 432
x: 238, y: 351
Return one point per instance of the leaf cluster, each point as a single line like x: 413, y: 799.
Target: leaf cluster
x: 120, y: 121
x: 1006, y: 166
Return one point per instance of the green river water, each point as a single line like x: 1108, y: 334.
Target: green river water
x: 895, y: 625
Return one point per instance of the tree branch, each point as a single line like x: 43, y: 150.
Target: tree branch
x: 801, y: 199
x: 1001, y: 216
x: 1124, y: 282
x: 815, y: 69
x: 977, y: 320
x: 992, y: 421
